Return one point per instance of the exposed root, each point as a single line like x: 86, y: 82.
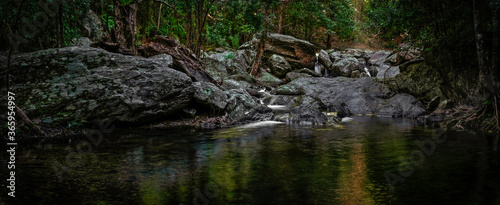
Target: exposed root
x: 479, y: 118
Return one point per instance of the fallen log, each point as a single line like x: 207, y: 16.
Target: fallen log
x: 184, y: 59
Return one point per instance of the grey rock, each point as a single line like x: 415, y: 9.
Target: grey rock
x: 82, y: 41
x: 93, y: 27
x: 335, y: 56
x: 351, y: 96
x: 324, y: 59
x: 216, y: 69
x: 242, y: 108
x: 345, y: 66
x: 269, y: 80
x: 165, y: 59
x: 307, y: 114
x: 299, y: 53
x: 99, y: 86
x: 402, y: 105
x: 386, y: 72
x: 295, y: 75
x: 308, y: 71
x: 279, y: 65
x: 233, y: 84
x: 378, y: 58
x: 208, y: 94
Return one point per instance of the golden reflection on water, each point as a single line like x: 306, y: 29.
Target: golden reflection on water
x: 353, y: 179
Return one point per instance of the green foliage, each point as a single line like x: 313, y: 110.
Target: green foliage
x: 107, y: 16
x: 230, y: 56
x: 126, y: 2
x: 108, y: 20
x: 235, y: 41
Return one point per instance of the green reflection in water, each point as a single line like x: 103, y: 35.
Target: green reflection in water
x: 277, y: 164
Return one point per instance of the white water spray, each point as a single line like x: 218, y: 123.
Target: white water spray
x: 317, y: 68
x: 367, y: 72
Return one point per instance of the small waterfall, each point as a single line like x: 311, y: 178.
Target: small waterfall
x: 317, y: 68
x: 368, y: 72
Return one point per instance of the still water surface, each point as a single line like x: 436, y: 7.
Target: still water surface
x: 267, y: 164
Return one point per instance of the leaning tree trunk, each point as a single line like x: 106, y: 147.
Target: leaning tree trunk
x: 125, y: 29
x: 254, y: 70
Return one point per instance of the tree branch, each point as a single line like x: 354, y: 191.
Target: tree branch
x: 163, y: 2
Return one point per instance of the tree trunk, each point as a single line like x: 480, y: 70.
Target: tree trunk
x: 61, y: 26
x: 254, y: 70
x: 199, y: 26
x: 125, y: 29
x: 488, y: 78
x: 159, y: 17
x: 329, y: 41
x: 189, y: 25
x: 280, y: 16
x: 479, y: 44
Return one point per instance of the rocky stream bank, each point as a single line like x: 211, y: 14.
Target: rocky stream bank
x: 81, y: 86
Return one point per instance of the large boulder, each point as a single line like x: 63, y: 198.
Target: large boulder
x: 349, y: 95
x: 89, y: 84
x: 387, y: 72
x: 420, y: 80
x: 215, y: 68
x: 324, y: 59
x: 268, y: 79
x: 345, y: 66
x: 307, y: 112
x: 299, y: 53
x: 279, y: 65
x: 93, y: 28
x: 402, y: 105
x: 209, y: 95
x: 378, y: 58
x: 407, y: 52
x: 335, y: 56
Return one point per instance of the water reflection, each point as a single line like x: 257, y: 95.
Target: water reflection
x: 274, y: 164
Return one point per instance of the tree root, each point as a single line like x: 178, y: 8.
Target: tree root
x: 28, y: 122
x: 476, y: 119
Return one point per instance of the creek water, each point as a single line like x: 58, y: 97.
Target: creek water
x: 265, y: 163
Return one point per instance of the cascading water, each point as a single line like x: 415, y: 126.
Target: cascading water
x: 317, y: 68
x: 368, y: 72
